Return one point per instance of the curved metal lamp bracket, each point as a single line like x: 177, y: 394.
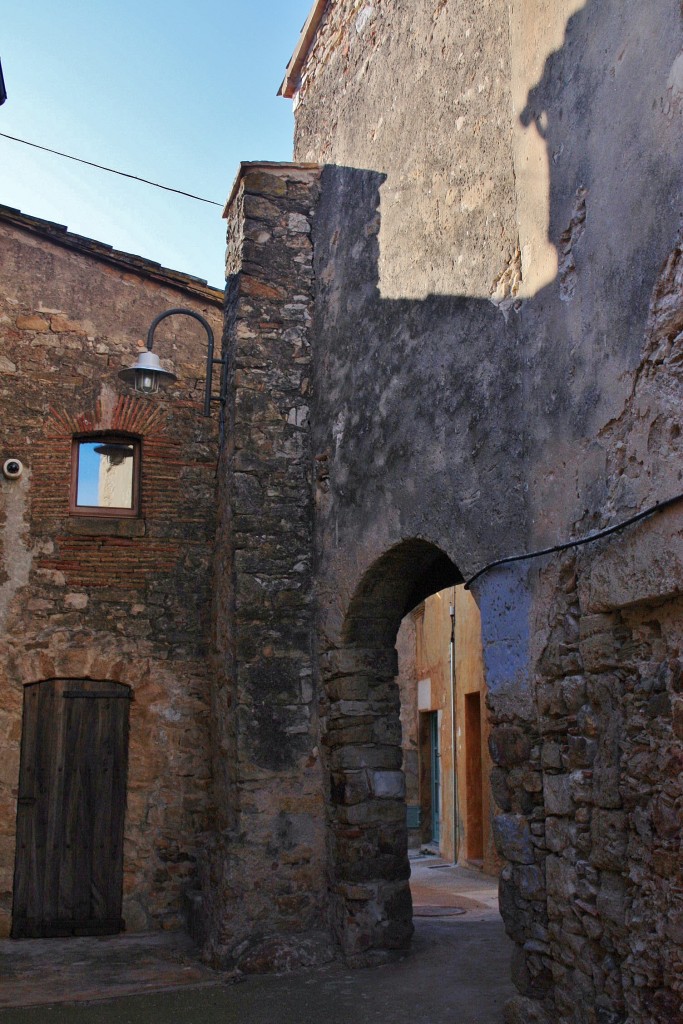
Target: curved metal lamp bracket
x: 210, y: 361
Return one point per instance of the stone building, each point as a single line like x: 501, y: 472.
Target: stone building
x: 453, y: 334
x: 453, y: 327
x: 104, y: 588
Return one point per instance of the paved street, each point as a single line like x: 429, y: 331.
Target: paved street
x: 456, y: 973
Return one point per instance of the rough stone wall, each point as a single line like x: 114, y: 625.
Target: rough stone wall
x: 264, y: 885
x: 609, y: 845
x: 588, y: 779
x: 100, y: 598
x: 608, y: 685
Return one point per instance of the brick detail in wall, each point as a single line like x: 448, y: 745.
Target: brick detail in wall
x: 108, y: 598
x: 104, y: 560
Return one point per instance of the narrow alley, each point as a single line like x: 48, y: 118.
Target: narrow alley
x: 457, y: 970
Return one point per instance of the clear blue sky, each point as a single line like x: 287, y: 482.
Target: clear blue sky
x: 175, y: 92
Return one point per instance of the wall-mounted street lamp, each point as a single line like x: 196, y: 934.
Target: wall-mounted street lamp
x: 147, y: 374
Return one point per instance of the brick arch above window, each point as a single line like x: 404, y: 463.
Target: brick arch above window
x: 122, y: 414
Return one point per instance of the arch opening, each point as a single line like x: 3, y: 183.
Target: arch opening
x: 367, y: 827
x: 395, y: 584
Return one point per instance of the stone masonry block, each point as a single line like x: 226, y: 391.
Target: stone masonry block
x: 561, y: 879
x: 382, y: 663
x: 609, y: 839
x: 349, y: 688
x: 32, y: 323
x: 509, y: 746
x: 366, y: 756
x: 355, y: 787
x: 521, y: 1010
x: 512, y: 837
x: 388, y: 784
x: 557, y: 794
x: 262, y: 183
x: 647, y: 565
x: 611, y: 898
x: 529, y: 881
x: 258, y: 208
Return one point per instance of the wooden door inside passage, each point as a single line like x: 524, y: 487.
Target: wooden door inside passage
x: 68, y: 875
x: 474, y: 778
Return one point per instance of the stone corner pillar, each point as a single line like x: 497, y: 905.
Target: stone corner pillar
x: 264, y: 877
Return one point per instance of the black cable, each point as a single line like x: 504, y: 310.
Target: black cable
x: 101, y: 167
x: 576, y: 543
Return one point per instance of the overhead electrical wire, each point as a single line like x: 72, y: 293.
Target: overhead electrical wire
x: 101, y: 167
x: 565, y: 546
x: 576, y: 543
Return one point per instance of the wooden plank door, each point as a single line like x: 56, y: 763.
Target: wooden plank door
x: 68, y: 874
x: 474, y: 778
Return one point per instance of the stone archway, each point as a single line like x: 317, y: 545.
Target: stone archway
x: 372, y: 909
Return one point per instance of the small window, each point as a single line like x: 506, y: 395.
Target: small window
x: 105, y: 473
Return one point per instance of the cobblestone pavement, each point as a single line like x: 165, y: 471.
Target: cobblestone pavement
x: 456, y: 973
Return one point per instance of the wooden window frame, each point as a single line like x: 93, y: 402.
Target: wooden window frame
x: 111, y: 512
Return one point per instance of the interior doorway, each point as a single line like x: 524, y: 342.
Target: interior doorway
x: 68, y: 876
x: 474, y: 781
x: 435, y: 765
x: 444, y: 730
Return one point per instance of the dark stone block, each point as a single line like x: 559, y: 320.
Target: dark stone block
x: 513, y: 838
x: 509, y: 746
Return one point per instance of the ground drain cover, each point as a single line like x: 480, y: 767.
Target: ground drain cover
x: 438, y: 911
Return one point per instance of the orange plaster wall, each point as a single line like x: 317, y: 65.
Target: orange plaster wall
x: 432, y: 661
x: 469, y: 672
x: 432, y: 657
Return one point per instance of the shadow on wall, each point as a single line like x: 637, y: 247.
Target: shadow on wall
x: 467, y: 428
x: 514, y: 198
x: 484, y: 400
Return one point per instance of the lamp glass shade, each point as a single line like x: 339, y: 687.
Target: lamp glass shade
x: 146, y: 382
x: 146, y: 374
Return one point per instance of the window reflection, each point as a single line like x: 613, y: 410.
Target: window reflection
x: 105, y: 475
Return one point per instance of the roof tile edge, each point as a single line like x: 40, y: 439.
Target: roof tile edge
x: 60, y: 235
x: 290, y: 82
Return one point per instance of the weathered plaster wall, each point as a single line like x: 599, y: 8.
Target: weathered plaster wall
x: 561, y: 116
x: 606, y: 653
x: 537, y: 29
x: 490, y: 427
x: 433, y: 631
x: 423, y: 646
x: 117, y: 599
x: 470, y: 679
x: 371, y: 69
